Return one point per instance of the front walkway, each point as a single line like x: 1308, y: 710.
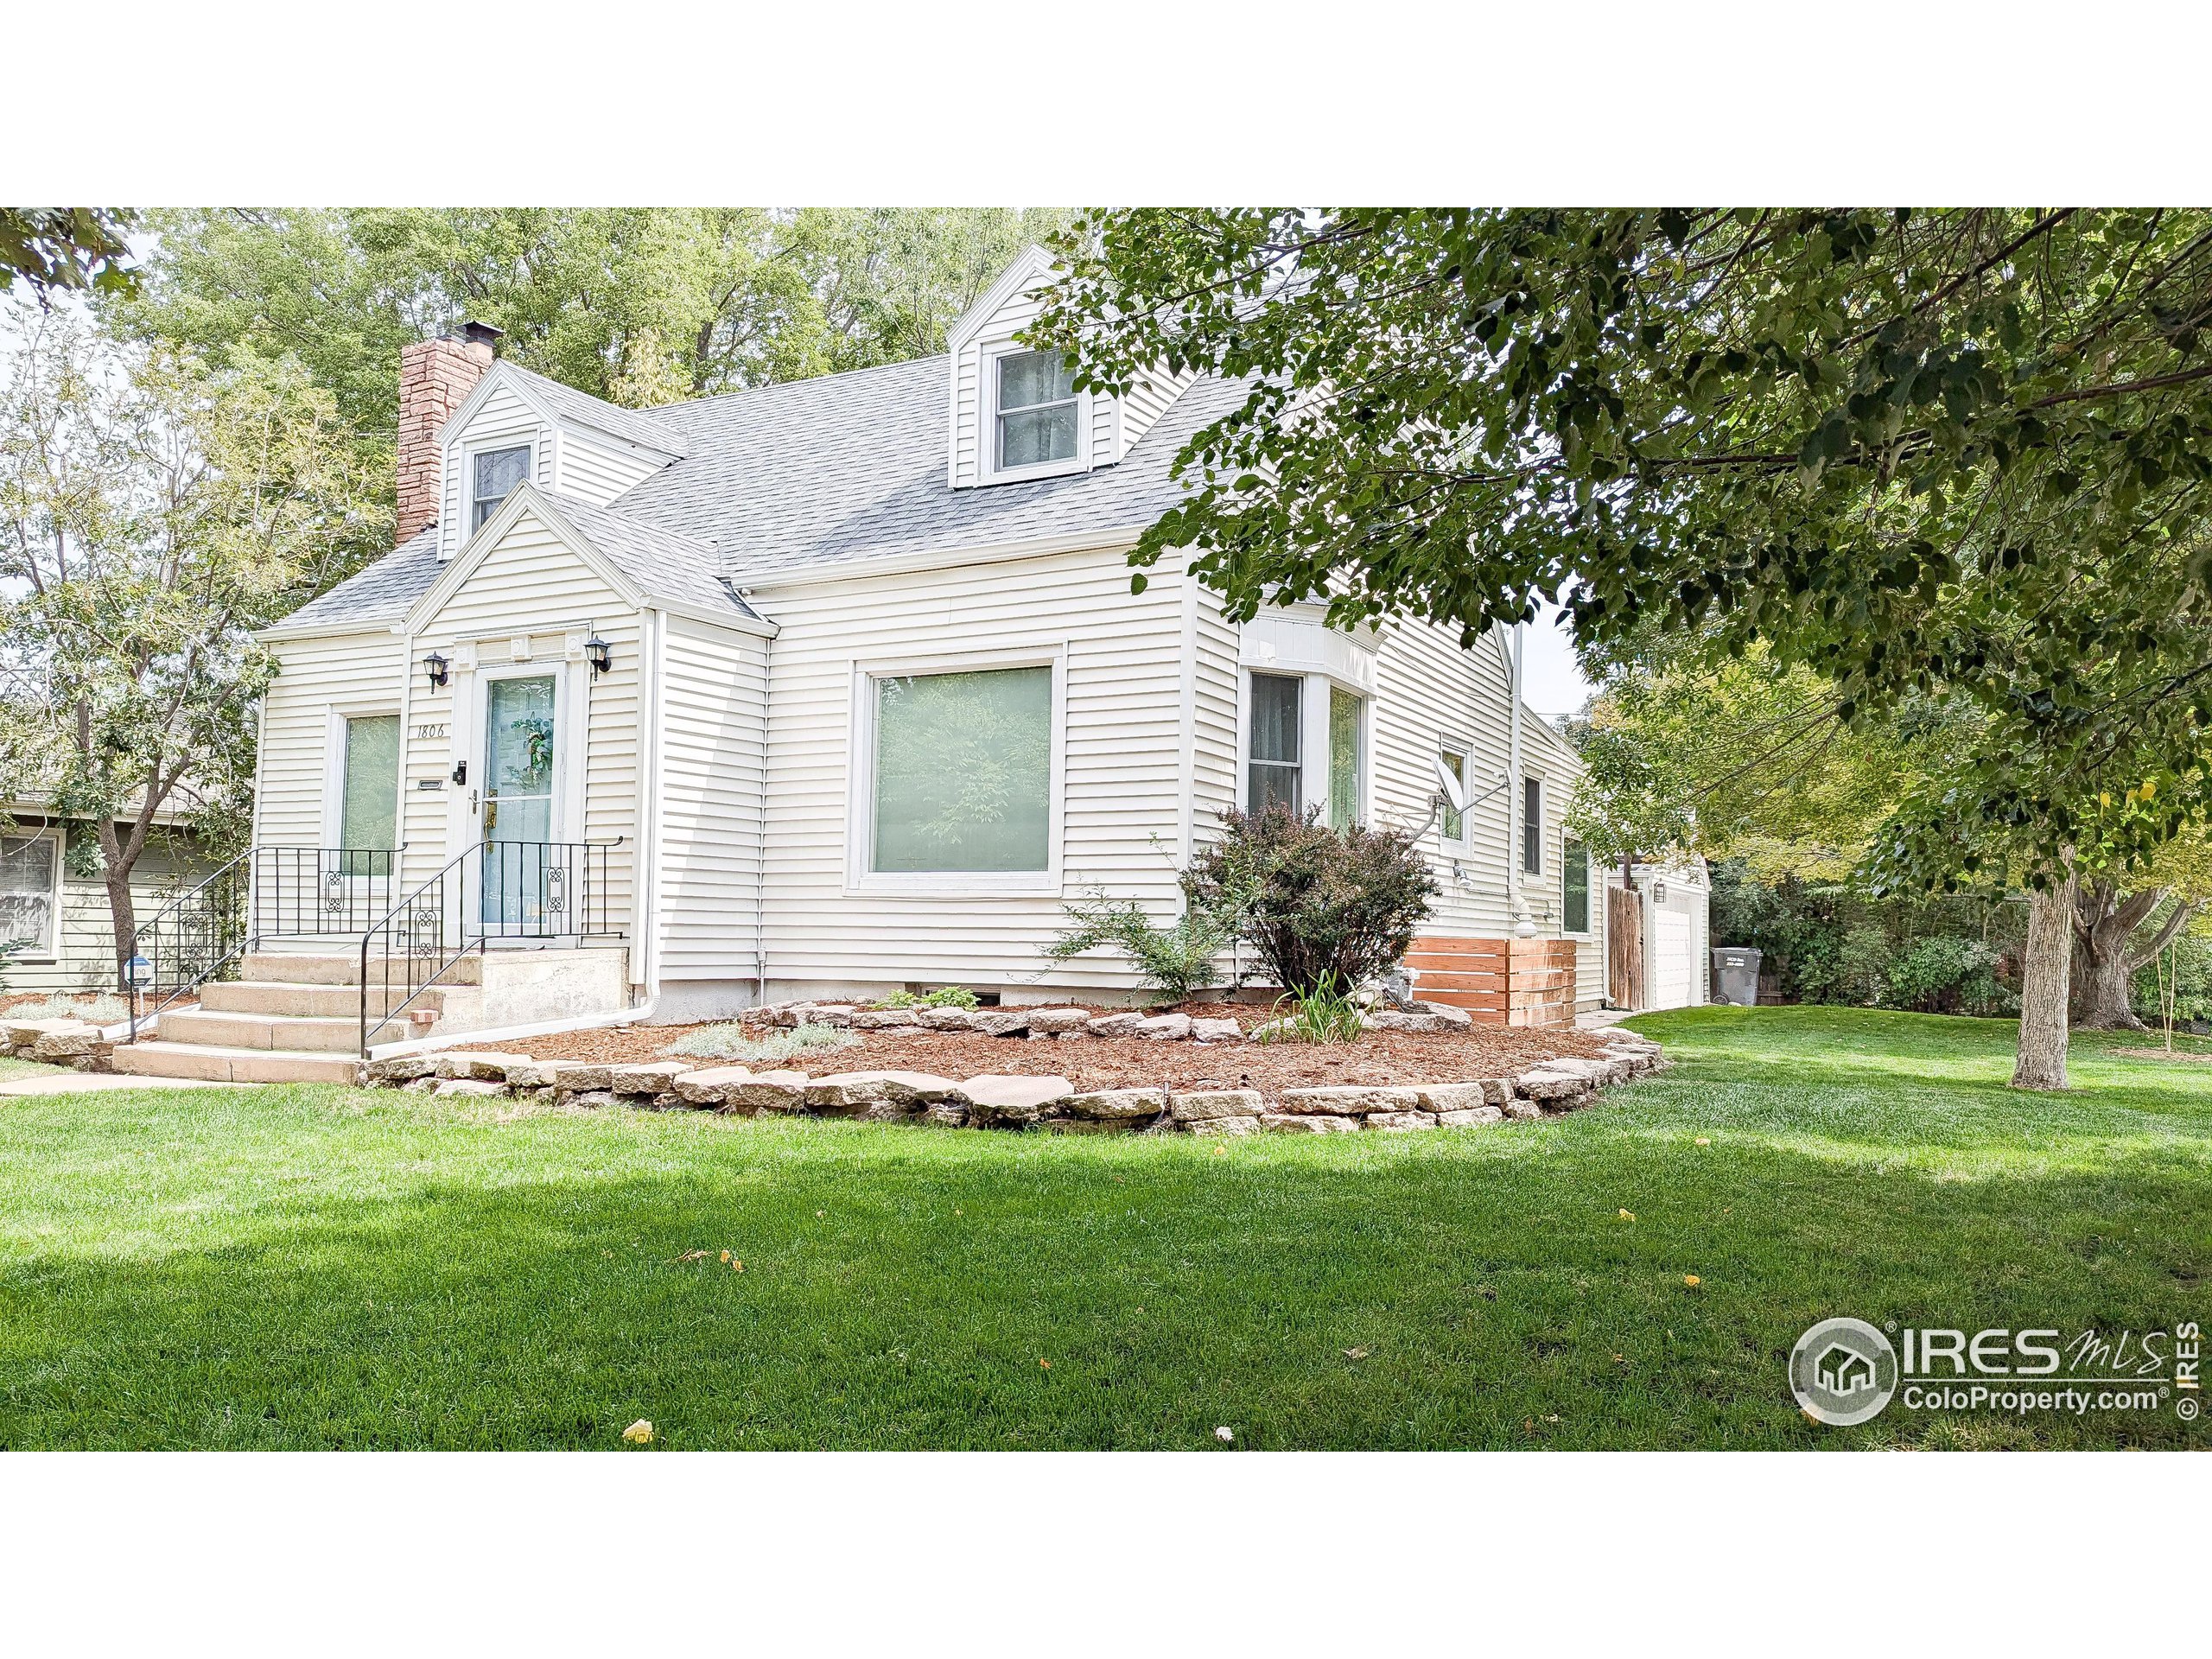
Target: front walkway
x: 80, y: 1083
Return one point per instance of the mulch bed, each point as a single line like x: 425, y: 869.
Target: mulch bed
x: 1378, y: 1057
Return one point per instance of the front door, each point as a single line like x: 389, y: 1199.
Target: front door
x: 520, y: 859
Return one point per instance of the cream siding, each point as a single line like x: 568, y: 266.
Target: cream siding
x: 713, y: 719
x: 972, y: 393
x: 531, y: 584
x: 345, y: 674
x: 1146, y: 402
x: 597, y: 471
x: 1124, y: 666
x: 504, y: 417
x: 1218, y: 768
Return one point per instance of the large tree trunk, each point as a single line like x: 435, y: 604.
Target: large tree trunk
x: 2106, y: 956
x: 2045, y: 968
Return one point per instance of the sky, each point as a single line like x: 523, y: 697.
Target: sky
x: 1551, y: 678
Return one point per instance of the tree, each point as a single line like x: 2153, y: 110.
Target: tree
x: 1962, y: 454
x: 2118, y: 932
x: 81, y: 249
x: 153, y: 510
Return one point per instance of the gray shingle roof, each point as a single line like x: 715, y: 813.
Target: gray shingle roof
x: 663, y: 563
x: 381, y: 593
x: 634, y: 425
x: 851, y: 466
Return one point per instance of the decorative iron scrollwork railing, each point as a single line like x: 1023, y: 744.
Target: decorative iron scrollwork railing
x: 265, y: 893
x: 496, y: 890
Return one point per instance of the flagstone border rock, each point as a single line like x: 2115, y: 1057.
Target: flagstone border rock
x: 1028, y: 1103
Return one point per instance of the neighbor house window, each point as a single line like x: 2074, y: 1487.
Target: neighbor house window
x: 492, y: 476
x: 1346, y: 739
x: 1454, y: 824
x: 1037, y: 409
x: 30, y: 883
x: 1577, y: 903
x: 368, y: 806
x: 963, y: 772
x: 1275, y: 768
x: 1532, y: 825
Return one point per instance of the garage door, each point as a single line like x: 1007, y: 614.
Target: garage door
x: 1672, y: 959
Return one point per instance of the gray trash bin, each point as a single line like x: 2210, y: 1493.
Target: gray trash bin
x: 1736, y: 976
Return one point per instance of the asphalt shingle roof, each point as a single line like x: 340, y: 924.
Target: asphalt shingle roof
x: 806, y: 474
x: 636, y: 425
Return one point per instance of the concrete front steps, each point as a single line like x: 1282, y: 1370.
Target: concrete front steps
x: 159, y: 1060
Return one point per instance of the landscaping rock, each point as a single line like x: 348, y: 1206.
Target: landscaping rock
x: 901, y: 1088
x: 1119, y: 1104
x: 66, y: 1043
x: 24, y: 1034
x: 469, y: 1086
x: 1224, y: 1126
x: 1453, y: 1019
x: 652, y: 1077
x: 401, y: 1068
x: 1165, y: 1028
x: 709, y: 1087
x: 1307, y: 1123
x: 1401, y: 1120
x: 482, y: 1065
x: 1463, y: 1096
x: 422, y: 1085
x: 945, y: 1115
x: 1054, y: 1022
x: 587, y: 1097
x: 831, y: 1013
x: 790, y: 1014
x: 1520, y: 1107
x: 1013, y: 1100
x: 1217, y: 1031
x: 844, y: 1092
x: 1212, y: 1105
x: 577, y: 1074
x: 1350, y: 1099
x: 1274, y: 1031
x: 1471, y: 1118
x: 1390, y: 1020
x: 999, y: 1023
x: 1114, y: 1025
x: 883, y: 1018
x: 1546, y: 1083
x: 769, y: 1091
x: 945, y: 1019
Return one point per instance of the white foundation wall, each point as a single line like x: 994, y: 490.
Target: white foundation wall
x: 1123, y: 780
x: 713, y: 716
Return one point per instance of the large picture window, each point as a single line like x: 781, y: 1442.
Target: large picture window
x: 30, y: 882
x: 1037, y: 409
x: 962, y: 771
x: 1277, y: 761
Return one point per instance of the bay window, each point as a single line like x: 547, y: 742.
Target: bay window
x: 1276, y: 760
x: 1305, y: 744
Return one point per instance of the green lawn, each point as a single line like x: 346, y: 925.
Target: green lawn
x: 326, y: 1267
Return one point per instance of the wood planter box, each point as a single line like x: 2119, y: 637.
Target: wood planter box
x: 1499, y: 981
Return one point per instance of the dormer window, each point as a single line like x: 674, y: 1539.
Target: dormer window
x: 493, y: 476
x: 1037, y: 411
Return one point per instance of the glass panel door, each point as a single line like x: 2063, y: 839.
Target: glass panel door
x: 518, y: 783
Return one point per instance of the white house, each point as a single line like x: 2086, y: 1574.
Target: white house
x: 839, y: 686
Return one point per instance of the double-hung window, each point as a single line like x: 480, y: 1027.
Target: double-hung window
x: 1577, y: 889
x: 961, y: 765
x: 493, y: 476
x: 1532, y: 826
x: 1275, y: 775
x: 1037, y: 411
x: 31, y: 893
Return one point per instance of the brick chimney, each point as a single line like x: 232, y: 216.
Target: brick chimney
x: 436, y: 377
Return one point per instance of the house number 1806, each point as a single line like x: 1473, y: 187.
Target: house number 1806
x: 437, y: 730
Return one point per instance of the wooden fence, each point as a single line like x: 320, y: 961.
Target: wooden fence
x: 1500, y: 981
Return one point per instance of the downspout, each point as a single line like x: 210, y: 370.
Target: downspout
x: 1523, y: 926
x: 645, y: 900
x: 761, y: 861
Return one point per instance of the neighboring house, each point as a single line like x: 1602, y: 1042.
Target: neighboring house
x: 58, y: 919
x: 838, y: 686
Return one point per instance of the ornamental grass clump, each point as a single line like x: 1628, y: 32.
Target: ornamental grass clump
x: 1323, y: 907
x: 1327, y: 1013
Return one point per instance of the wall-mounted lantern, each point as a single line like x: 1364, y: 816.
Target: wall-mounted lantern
x: 435, y: 665
x: 599, y: 654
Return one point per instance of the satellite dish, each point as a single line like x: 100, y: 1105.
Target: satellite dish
x: 1453, y: 790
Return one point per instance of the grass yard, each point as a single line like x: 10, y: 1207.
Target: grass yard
x: 307, y: 1267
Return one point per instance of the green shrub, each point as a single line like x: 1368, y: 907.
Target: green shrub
x: 735, y: 1042
x: 1172, y: 962
x: 947, y: 996
x: 1944, y: 974
x: 1326, y: 1014
x: 1321, y: 907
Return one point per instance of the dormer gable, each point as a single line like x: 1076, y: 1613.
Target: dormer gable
x: 517, y: 427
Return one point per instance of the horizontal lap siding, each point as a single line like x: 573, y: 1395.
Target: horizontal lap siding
x: 713, y: 713
x: 530, y: 583
x: 1146, y: 402
x: 360, y: 673
x: 597, y: 472
x: 504, y: 417
x: 1122, y: 766
x: 1216, y: 767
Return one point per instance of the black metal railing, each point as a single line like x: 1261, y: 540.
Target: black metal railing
x: 495, y: 890
x: 265, y: 892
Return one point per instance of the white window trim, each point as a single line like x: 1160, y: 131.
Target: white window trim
x: 859, y: 800
x: 526, y: 439
x: 1521, y: 848
x: 55, y: 919
x: 334, y: 768
x: 987, y: 435
x: 1451, y: 743
x: 1312, y: 736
